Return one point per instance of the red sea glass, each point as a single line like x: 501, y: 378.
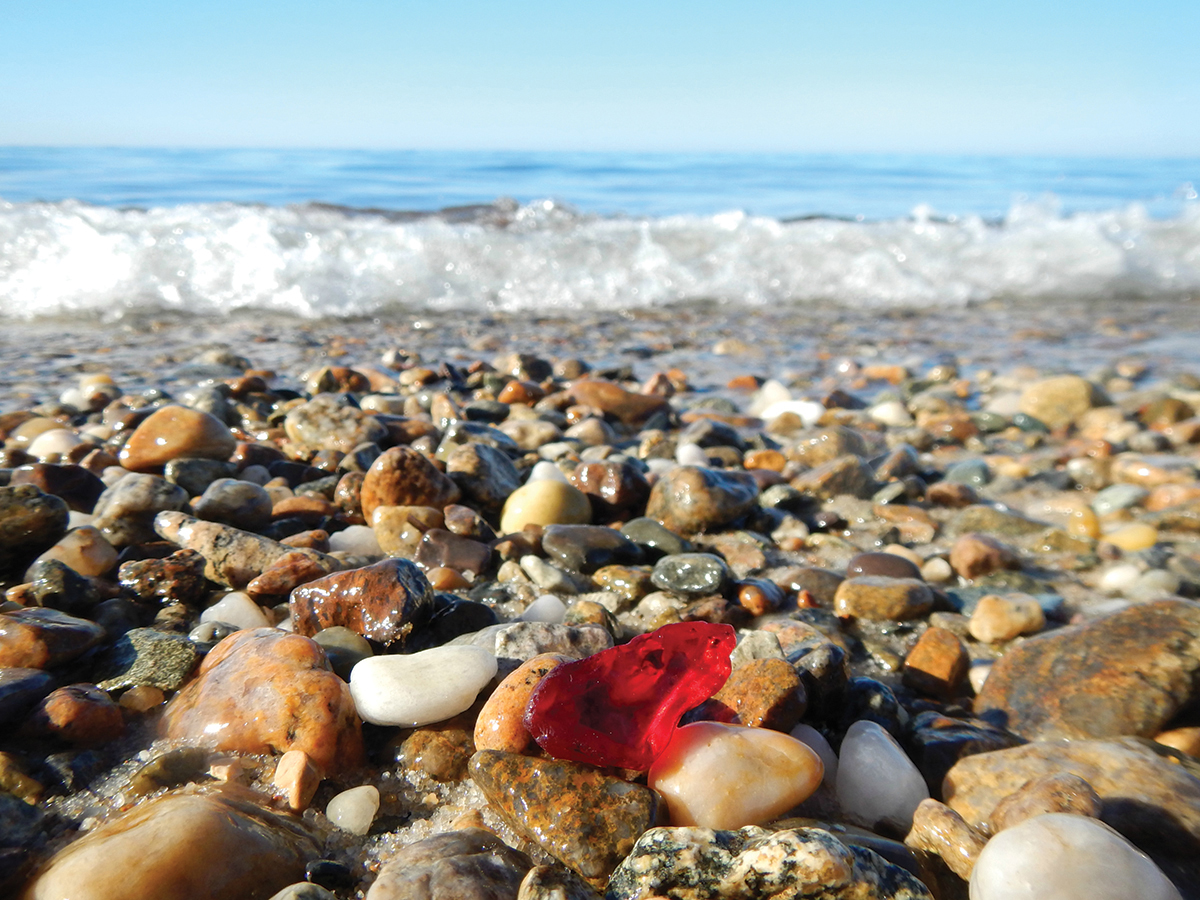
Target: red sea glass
x: 620, y: 707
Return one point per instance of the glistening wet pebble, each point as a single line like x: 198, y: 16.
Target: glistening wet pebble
x: 265, y: 596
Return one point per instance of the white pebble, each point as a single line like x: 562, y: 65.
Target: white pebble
x: 691, y: 455
x: 546, y: 608
x: 658, y: 465
x: 237, y: 609
x: 77, y: 519
x: 546, y: 471
x: 357, y: 539
x: 876, y: 781
x: 1119, y: 579
x: 978, y: 673
x: 53, y: 442
x: 892, y: 413
x: 354, y: 810
x: 1066, y: 857
x: 1154, y: 584
x: 816, y: 741
x: 420, y: 688
x: 772, y: 391
x: 809, y: 411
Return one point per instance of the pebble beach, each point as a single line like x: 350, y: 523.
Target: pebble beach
x: 689, y: 602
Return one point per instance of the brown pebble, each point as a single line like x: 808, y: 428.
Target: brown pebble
x: 80, y: 714
x: 1059, y: 793
x: 976, y: 554
x: 1185, y: 740
x: 765, y: 693
x: 938, y: 829
x: 878, y: 597
x: 442, y: 578
x: 951, y: 494
x: 402, y: 476
x: 501, y: 722
x: 296, y: 780
x: 142, y: 698
x: 937, y: 664
x: 176, y: 431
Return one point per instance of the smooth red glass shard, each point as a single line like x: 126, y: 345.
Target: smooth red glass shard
x: 619, y: 707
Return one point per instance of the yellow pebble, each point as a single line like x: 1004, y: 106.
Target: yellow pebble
x: 1083, y: 523
x: 1134, y: 536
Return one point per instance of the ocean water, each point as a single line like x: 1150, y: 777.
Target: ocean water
x: 107, y: 232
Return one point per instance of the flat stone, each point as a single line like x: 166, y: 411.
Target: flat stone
x: 237, y: 503
x: 402, y: 476
x: 166, y: 847
x: 692, y: 499
x: 1128, y: 673
x: 175, y: 431
x: 614, y: 400
x: 887, y: 564
x: 691, y: 573
x: 1146, y: 792
x: 44, y: 638
x: 232, y: 557
x: 653, y: 537
x: 729, y: 776
x: 1069, y: 857
x: 472, y: 864
x: 420, y: 688
x: 587, y: 820
x: 694, y: 863
x: 265, y: 690
x: 881, y: 598
x: 1059, y: 401
x: 586, y: 548
x: 993, y: 521
x: 144, y: 656
x: 384, y: 602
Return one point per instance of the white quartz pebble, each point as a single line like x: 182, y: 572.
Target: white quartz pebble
x: 1066, y: 857
x: 546, y: 471
x: 892, y: 413
x: 420, y: 688
x: 354, y: 810
x: 1117, y: 579
x: 876, y: 781
x: 809, y: 411
x: 691, y: 455
x: 52, y: 442
x: 546, y: 608
x: 816, y: 742
x: 237, y: 609
x: 357, y: 539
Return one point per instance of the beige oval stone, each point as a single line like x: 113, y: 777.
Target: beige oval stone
x: 1061, y: 400
x: 85, y: 550
x: 1134, y: 536
x: 729, y: 776
x: 999, y: 618
x: 501, y: 721
x: 173, y: 432
x: 188, y: 845
x: 545, y: 502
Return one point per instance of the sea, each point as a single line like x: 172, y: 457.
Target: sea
x: 319, y: 234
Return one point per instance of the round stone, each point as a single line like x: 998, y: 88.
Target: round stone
x: 889, y: 565
x: 729, y: 776
x: 545, y: 502
x: 175, y: 431
x: 420, y: 688
x: 354, y: 810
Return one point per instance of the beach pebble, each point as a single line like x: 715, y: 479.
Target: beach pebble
x: 126, y: 510
x: 144, y: 656
x: 1068, y: 857
x: 691, y: 573
x: 233, y: 502
x: 44, y: 638
x: 586, y: 548
x: 888, y: 564
x: 176, y: 431
x: 1076, y: 683
x: 324, y: 424
x: 818, y: 743
x: 651, y: 536
x: 546, y: 608
x: 501, y: 721
x: 1060, y: 400
x: 265, y: 690
x: 940, y: 830
x: 551, y: 578
x: 878, y: 598
x: 403, y: 476
x: 691, y: 499
x: 384, y: 602
x: 808, y: 412
x: 583, y: 818
x: 937, y: 664
x: 545, y: 502
x: 727, y: 776
x: 547, y: 471
x: 30, y: 523
x: 356, y: 540
x: 85, y: 550
x: 354, y: 810
x: 612, y: 399
x: 762, y: 693
x: 20, y: 689
x: 303, y: 890
x: 1117, y: 497
x: 876, y: 782
x: 974, y: 555
x: 617, y: 490
x: 420, y: 688
x: 237, y: 609
x: 178, y: 578
x: 843, y: 475
x: 166, y: 848
x: 80, y: 714
x: 1062, y: 792
x: 1119, y: 578
x: 1132, y: 537
x: 74, y: 485
x: 441, y: 549
x: 1001, y: 618
x: 472, y: 864
x: 296, y: 780
x: 286, y: 574
x: 485, y: 475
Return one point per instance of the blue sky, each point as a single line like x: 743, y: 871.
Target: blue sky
x: 1048, y: 77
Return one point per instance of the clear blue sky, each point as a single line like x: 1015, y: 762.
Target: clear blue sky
x: 1046, y: 77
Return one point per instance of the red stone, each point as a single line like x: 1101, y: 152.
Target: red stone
x: 620, y: 707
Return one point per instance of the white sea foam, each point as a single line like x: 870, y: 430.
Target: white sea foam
x: 70, y: 257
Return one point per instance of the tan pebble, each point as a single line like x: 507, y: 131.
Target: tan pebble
x: 229, y: 768
x: 877, y: 597
x: 85, y: 550
x: 999, y: 618
x: 176, y: 431
x: 1083, y: 523
x: 1062, y: 792
x: 402, y: 476
x: 399, y: 529
x: 442, y: 579
x: 142, y: 698
x: 937, y: 664
x: 1153, y: 471
x: 25, y: 433
x: 764, y: 693
x: 1134, y: 536
x: 772, y: 460
x: 1185, y: 740
x: 501, y: 721
x: 976, y: 554
x: 296, y: 780
x: 472, y: 818
x: 1169, y: 495
x: 905, y: 553
x: 729, y: 776
x: 937, y: 570
x: 1061, y: 400
x: 938, y: 829
x: 545, y: 502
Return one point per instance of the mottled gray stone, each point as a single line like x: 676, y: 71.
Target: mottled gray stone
x: 472, y: 864
x: 125, y: 512
x: 146, y: 656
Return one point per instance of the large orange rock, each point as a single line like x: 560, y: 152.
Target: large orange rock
x: 265, y: 690
x: 403, y: 476
x: 176, y: 431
